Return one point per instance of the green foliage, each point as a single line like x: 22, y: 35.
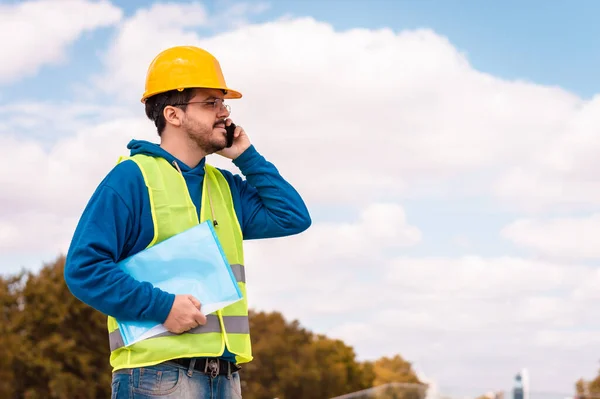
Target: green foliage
x: 291, y: 362
x: 588, y: 388
x: 10, y: 340
x: 60, y: 347
x: 53, y: 346
x: 394, y: 369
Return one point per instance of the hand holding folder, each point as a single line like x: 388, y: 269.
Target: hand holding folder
x: 186, y: 314
x: 191, y: 262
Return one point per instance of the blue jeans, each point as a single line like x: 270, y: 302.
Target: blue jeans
x: 170, y: 381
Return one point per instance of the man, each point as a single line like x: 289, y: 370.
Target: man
x: 162, y: 190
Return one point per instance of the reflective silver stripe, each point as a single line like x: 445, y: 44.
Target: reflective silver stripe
x: 233, y: 325
x: 236, y: 324
x: 239, y: 272
x: 212, y: 326
x: 115, y: 340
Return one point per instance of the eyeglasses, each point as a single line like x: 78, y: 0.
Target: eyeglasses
x: 214, y: 104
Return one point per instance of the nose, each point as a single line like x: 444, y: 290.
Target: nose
x: 224, y: 111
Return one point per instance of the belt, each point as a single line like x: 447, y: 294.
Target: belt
x: 212, y: 366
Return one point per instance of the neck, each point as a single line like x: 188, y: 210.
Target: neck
x: 186, y: 151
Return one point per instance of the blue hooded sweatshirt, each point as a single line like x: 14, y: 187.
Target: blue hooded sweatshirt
x: 117, y: 223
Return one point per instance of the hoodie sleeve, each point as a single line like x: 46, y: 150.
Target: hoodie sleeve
x: 107, y: 232
x: 270, y: 206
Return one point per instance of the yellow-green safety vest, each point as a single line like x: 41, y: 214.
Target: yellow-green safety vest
x: 173, y: 212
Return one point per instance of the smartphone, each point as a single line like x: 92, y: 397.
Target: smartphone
x: 230, y: 129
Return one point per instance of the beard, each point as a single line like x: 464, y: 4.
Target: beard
x: 203, y: 137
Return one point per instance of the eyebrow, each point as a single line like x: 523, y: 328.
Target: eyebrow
x: 211, y: 98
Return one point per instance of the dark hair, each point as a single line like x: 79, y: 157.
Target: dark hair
x: 156, y: 104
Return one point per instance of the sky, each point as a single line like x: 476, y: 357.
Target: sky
x: 446, y: 151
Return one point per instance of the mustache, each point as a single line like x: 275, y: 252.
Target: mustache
x: 219, y: 121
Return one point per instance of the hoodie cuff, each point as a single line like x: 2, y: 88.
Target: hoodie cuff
x: 164, y: 305
x: 247, y: 159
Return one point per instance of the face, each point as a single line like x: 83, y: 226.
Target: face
x: 204, y: 120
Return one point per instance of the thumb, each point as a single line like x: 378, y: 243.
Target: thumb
x: 200, y: 318
x: 195, y: 301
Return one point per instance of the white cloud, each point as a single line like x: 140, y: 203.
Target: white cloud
x: 39, y: 119
x: 580, y: 340
x: 401, y: 112
x: 45, y: 29
x: 563, y: 170
x: 474, y: 278
x: 235, y: 15
x: 54, y: 232
x: 47, y: 184
x: 559, y: 237
x: 447, y: 314
x: 331, y: 256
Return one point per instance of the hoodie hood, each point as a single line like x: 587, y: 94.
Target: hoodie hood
x: 152, y: 149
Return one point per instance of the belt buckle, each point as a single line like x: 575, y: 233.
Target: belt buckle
x: 213, y: 364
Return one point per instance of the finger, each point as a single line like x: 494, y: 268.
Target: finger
x: 228, y: 122
x: 200, y: 318
x: 189, y: 324
x: 195, y: 302
x: 238, y: 131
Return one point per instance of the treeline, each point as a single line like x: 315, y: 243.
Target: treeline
x: 54, y: 346
x: 588, y: 389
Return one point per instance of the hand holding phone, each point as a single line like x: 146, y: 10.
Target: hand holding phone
x: 236, y: 141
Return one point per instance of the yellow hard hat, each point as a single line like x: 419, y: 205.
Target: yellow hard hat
x: 184, y: 67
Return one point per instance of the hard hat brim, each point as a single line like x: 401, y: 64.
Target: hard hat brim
x: 230, y: 93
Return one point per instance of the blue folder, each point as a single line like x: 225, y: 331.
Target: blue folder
x: 191, y: 262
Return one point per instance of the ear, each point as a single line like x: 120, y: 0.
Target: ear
x: 173, y: 115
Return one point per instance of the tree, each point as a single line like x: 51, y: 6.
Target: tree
x: 291, y: 362
x: 54, y: 346
x: 343, y: 374
x: 394, y: 369
x: 64, y: 351
x: 398, y: 373
x: 10, y: 340
x: 588, y: 388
